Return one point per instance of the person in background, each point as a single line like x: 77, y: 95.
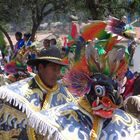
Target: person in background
x: 27, y: 41
x: 53, y: 42
x: 20, y: 41
x: 46, y: 44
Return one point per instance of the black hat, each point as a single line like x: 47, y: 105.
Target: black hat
x: 51, y: 55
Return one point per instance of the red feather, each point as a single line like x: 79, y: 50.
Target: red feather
x: 111, y: 42
x: 93, y: 30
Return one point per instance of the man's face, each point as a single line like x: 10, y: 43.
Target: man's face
x: 25, y: 38
x: 53, y: 42
x: 17, y: 37
x: 46, y: 44
x: 49, y: 73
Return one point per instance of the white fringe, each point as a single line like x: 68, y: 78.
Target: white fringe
x: 34, y: 118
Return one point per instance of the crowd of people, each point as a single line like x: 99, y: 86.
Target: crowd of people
x: 81, y: 91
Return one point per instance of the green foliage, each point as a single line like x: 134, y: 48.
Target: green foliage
x: 10, y: 10
x: 28, y: 13
x: 2, y: 41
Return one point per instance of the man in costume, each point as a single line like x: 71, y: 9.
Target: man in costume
x: 27, y: 40
x: 99, y: 80
x: 32, y: 94
x: 96, y: 115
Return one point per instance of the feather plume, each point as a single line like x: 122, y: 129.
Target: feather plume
x: 115, y: 26
x: 113, y: 61
x: 77, y: 79
x: 92, y: 58
x: 93, y: 30
x: 10, y: 68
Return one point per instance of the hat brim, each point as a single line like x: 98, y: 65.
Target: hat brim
x: 35, y: 62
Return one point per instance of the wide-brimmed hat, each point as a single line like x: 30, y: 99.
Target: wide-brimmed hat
x: 51, y: 55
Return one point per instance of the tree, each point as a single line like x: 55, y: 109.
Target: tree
x: 42, y: 8
x: 100, y: 9
x: 9, y: 10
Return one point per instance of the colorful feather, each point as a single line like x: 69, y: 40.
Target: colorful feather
x: 77, y: 79
x: 112, y: 41
x: 13, y: 67
x: 65, y: 60
x: 93, y: 30
x: 120, y: 28
x: 99, y: 56
x: 115, y: 26
x: 74, y: 30
x: 78, y: 82
x: 92, y: 58
x: 10, y: 68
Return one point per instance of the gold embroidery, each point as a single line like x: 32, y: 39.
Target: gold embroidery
x: 14, y: 133
x: 14, y: 113
x: 85, y: 105
x: 95, y: 128
x: 47, y: 102
x: 97, y: 124
x: 70, y: 95
x: 9, y: 135
x: 31, y: 133
x: 31, y: 91
x: 71, y: 113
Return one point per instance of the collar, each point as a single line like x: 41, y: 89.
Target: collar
x: 85, y: 105
x: 43, y: 86
x: 97, y: 121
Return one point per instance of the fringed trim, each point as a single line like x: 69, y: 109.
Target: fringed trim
x: 42, y: 125
x: 35, y: 119
x: 16, y: 100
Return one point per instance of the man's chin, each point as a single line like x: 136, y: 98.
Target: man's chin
x: 51, y: 85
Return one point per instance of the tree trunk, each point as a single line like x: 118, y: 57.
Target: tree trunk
x: 92, y: 5
x: 8, y: 37
x: 34, y: 30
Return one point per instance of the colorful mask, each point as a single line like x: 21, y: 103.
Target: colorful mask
x: 98, y: 77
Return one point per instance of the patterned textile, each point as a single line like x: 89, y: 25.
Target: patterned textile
x: 27, y: 96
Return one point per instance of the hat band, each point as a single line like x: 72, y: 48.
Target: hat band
x: 50, y: 57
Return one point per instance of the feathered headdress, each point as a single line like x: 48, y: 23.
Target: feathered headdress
x: 13, y: 67
x: 120, y: 28
x: 113, y: 62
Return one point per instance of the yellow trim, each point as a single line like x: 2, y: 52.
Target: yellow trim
x: 47, y: 101
x: 71, y: 98
x: 50, y: 57
x: 85, y: 105
x: 96, y: 120
x: 31, y: 133
x: 95, y: 129
x: 49, y: 91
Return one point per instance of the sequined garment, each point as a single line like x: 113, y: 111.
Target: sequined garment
x: 29, y: 95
